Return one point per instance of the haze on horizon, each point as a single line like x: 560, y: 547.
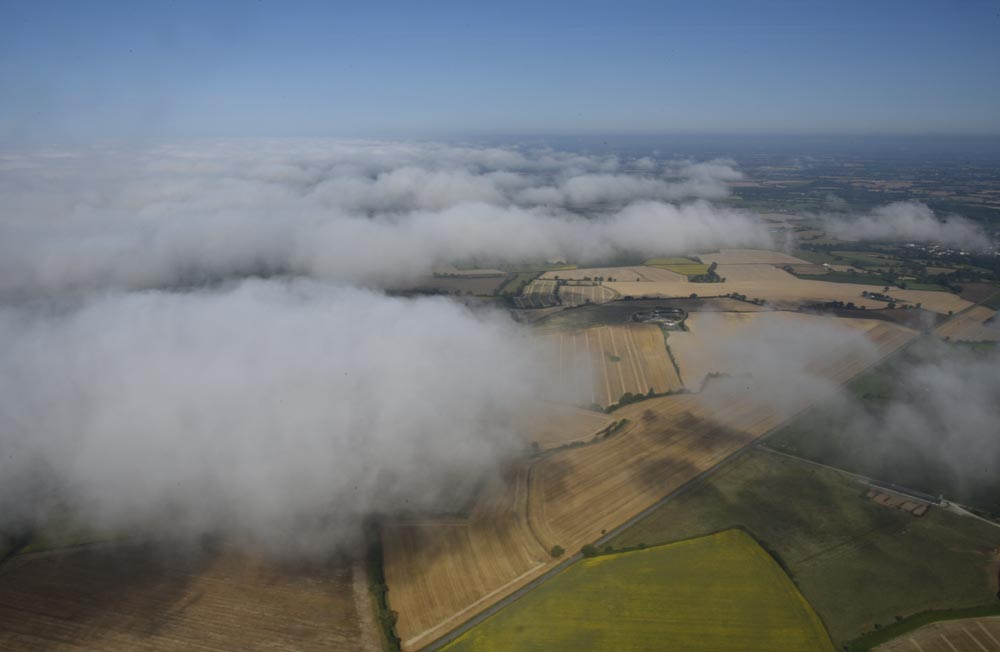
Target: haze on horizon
x: 83, y: 72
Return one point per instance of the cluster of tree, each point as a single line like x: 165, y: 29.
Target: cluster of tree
x: 710, y: 276
x: 742, y: 297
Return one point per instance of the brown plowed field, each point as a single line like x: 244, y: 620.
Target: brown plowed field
x: 624, y: 358
x: 137, y: 598
x: 441, y: 573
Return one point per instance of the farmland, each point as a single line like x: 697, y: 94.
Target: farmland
x: 585, y: 293
x: 638, y: 273
x: 658, y: 598
x: 552, y: 425
x: 629, y: 358
x: 685, y: 266
x: 441, y: 573
x: 978, y: 324
x: 838, y: 437
x: 139, y: 597
x: 859, y: 563
x: 962, y: 635
x: 706, y: 347
x: 786, y: 291
x: 538, y: 294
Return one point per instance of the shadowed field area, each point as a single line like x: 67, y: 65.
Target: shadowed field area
x: 137, y: 597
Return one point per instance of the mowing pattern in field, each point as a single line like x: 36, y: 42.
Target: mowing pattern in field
x: 971, y: 326
x: 538, y: 294
x: 625, y: 358
x: 578, y: 295
x: 135, y: 598
x: 721, y: 592
x: 440, y: 574
x: 966, y: 635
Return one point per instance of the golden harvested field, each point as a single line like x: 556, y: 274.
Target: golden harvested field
x: 441, y: 573
x: 965, y: 635
x: 971, y: 326
x: 137, y: 598
x: 624, y: 358
x: 551, y: 425
x: 642, y: 273
x: 791, y: 292
x: 578, y: 295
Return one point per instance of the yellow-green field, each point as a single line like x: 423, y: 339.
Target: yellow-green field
x: 686, y: 266
x: 720, y: 592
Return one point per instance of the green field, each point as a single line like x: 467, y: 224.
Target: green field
x: 685, y: 266
x: 721, y: 592
x: 859, y: 564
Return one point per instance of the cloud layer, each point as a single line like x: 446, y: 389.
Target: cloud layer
x: 258, y: 409
x: 371, y: 213
x: 909, y: 221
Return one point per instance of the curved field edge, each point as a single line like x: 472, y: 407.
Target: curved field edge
x: 665, y: 595
x: 861, y: 565
x: 873, y: 639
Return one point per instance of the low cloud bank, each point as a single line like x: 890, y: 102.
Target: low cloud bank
x: 368, y: 213
x: 909, y: 221
x: 278, y: 412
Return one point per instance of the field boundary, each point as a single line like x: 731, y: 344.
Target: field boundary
x: 874, y: 638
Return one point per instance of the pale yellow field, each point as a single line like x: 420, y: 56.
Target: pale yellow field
x: 752, y: 257
x: 966, y: 635
x: 137, y: 597
x: 551, y: 425
x: 441, y: 573
x: 625, y: 358
x: 792, y: 292
x: 970, y: 326
x: 643, y: 273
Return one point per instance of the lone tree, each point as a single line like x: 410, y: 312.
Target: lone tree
x: 557, y: 551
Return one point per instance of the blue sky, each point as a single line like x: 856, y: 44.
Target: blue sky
x: 105, y: 70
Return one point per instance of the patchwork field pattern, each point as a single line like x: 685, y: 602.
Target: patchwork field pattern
x: 441, y: 573
x: 658, y: 598
x: 625, y: 358
x: 133, y: 597
x: 965, y: 635
x: 971, y: 326
x: 538, y: 294
x: 844, y: 551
